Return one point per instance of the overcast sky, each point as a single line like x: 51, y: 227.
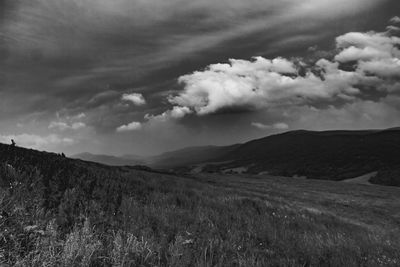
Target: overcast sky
x: 146, y: 76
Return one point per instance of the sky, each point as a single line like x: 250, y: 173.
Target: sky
x: 146, y: 76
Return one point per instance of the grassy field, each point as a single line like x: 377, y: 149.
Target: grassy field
x: 90, y: 215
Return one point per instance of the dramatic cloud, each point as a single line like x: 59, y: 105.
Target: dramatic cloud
x: 135, y: 98
x: 133, y: 126
x: 262, y: 83
x: 376, y: 53
x: 240, y: 83
x: 275, y: 126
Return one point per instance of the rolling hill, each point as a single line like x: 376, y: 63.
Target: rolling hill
x: 172, y: 159
x: 331, y: 155
x: 57, y: 211
x: 326, y: 155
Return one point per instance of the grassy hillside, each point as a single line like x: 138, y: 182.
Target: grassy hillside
x: 57, y: 211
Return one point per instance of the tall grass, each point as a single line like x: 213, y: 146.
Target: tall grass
x: 99, y: 217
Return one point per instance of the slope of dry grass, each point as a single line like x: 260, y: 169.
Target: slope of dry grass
x: 122, y: 217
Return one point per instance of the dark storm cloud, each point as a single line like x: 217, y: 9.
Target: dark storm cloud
x: 80, y: 46
x: 69, y: 57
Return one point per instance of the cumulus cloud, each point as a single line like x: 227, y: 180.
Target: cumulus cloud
x: 376, y: 53
x: 176, y: 112
x: 235, y: 84
x: 133, y: 126
x: 36, y: 141
x: 179, y: 112
x: 136, y: 98
x: 275, y: 126
x: 380, y: 41
x: 386, y: 68
x: 366, y: 53
x: 261, y: 83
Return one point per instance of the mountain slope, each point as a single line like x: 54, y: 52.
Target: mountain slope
x: 190, y: 155
x: 333, y: 155
x: 172, y: 159
x: 328, y: 155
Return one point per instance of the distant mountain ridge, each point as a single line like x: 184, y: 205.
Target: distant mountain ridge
x: 329, y: 155
x: 108, y: 160
x: 171, y: 159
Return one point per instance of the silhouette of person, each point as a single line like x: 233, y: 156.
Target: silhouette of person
x: 12, y: 142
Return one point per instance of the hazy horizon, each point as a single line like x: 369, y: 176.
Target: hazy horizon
x: 221, y: 145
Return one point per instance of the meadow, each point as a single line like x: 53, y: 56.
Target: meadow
x: 57, y: 211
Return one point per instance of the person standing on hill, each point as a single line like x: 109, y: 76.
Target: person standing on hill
x: 12, y: 142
